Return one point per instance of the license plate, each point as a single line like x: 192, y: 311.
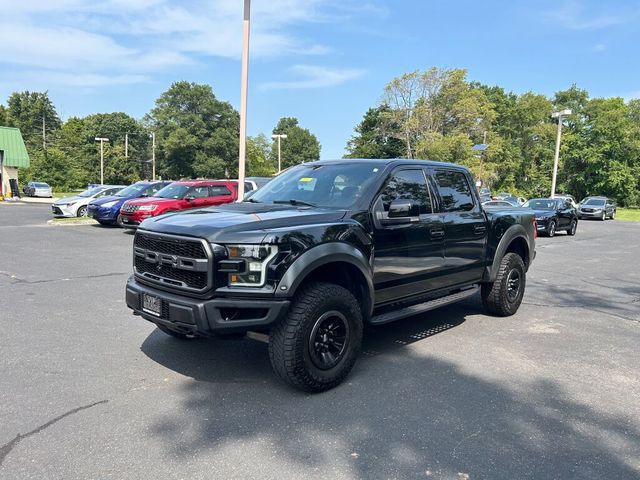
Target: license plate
x: 151, y: 304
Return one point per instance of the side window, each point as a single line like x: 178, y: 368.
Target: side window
x: 567, y: 204
x: 103, y: 193
x: 454, y: 190
x: 218, y: 190
x: 153, y: 189
x: 198, y: 192
x: 407, y: 185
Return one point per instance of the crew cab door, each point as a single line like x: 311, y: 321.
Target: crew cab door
x: 408, y: 250
x: 465, y: 227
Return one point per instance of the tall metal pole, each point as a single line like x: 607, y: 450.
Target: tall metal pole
x: 126, y: 145
x: 44, y: 133
x: 102, y: 140
x: 243, y: 97
x: 279, y: 155
x: 556, y: 158
x: 153, y: 155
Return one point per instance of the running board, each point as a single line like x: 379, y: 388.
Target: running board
x: 423, y: 307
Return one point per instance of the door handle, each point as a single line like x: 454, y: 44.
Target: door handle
x: 436, y: 233
x: 479, y: 229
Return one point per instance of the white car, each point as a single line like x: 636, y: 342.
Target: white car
x: 76, y: 206
x: 39, y: 189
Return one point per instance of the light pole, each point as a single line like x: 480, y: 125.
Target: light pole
x: 101, y: 140
x: 559, y: 116
x: 279, y: 136
x: 243, y: 97
x: 153, y: 155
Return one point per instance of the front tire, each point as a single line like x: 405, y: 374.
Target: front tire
x: 315, y: 346
x: 504, y: 296
x: 604, y: 216
x: 572, y: 227
x: 613, y: 215
x: 82, y: 211
x: 551, y: 230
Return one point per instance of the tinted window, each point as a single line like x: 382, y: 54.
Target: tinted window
x: 153, y: 189
x: 407, y: 185
x: 217, y: 190
x: 198, y: 192
x: 454, y: 190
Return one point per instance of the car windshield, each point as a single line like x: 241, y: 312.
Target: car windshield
x: 131, y: 190
x: 337, y: 185
x: 595, y: 202
x: 174, y: 191
x: 91, y: 192
x: 541, y: 204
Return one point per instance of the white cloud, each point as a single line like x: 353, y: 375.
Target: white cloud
x: 129, y: 40
x: 572, y: 15
x: 314, y: 76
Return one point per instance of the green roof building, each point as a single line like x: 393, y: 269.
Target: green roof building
x: 13, y: 155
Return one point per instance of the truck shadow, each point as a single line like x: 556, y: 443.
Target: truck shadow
x: 400, y: 414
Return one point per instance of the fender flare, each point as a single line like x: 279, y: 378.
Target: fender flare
x: 512, y: 233
x: 322, y: 255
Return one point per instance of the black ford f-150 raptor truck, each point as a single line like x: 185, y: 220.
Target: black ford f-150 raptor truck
x: 323, y: 249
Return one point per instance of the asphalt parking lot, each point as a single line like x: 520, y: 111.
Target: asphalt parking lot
x: 87, y: 391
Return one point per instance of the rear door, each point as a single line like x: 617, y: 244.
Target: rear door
x: 407, y: 257
x: 199, y: 196
x: 565, y: 213
x: 465, y: 227
x: 219, y: 194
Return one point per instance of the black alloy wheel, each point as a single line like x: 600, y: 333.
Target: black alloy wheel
x: 328, y: 340
x: 513, y: 285
x: 573, y: 227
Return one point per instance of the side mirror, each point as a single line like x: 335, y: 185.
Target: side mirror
x: 402, y: 211
x: 189, y: 198
x: 144, y: 195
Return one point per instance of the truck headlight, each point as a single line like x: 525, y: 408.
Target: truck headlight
x: 252, y: 265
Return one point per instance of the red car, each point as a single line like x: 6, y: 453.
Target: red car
x: 178, y: 196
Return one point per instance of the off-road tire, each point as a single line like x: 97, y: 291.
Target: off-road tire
x: 496, y: 296
x: 290, y: 339
x: 174, y: 334
x: 573, y: 226
x: 551, y: 229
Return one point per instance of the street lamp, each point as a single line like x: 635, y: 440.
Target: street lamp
x: 279, y: 136
x: 101, y: 140
x: 559, y: 116
x: 244, y: 80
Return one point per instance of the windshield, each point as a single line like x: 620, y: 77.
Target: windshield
x: 131, y: 190
x: 541, y: 204
x: 336, y: 185
x: 174, y: 191
x: 594, y: 202
x: 91, y: 192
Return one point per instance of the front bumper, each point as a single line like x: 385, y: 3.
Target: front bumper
x: 542, y: 225
x: 103, y: 214
x: 582, y: 214
x: 63, y: 210
x: 206, y: 317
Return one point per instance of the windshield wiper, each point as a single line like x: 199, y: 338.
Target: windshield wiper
x: 251, y: 200
x: 295, y: 202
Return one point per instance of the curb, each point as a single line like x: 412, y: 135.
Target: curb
x: 78, y: 223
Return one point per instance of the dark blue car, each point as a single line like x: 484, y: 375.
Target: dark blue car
x: 106, y: 210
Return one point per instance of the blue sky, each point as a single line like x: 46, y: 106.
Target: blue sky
x: 322, y: 61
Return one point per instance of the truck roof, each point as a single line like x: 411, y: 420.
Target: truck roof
x: 390, y: 161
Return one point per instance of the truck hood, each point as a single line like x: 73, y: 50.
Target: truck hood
x: 240, y: 222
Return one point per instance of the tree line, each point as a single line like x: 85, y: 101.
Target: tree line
x: 196, y: 136
x: 439, y: 114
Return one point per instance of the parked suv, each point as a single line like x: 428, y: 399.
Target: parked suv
x: 553, y: 214
x: 106, y: 210
x: 178, y: 196
x: 323, y: 249
x: 597, y: 207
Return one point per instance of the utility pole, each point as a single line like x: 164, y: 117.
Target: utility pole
x: 559, y: 116
x: 101, y: 140
x: 279, y: 136
x: 153, y: 155
x: 44, y: 133
x: 126, y: 145
x: 244, y: 81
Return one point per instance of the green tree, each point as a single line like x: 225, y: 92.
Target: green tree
x: 372, y: 140
x: 26, y: 111
x: 196, y: 134
x: 258, y: 152
x: 300, y: 146
x: 3, y: 116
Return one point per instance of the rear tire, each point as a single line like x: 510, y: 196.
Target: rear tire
x: 178, y: 335
x: 613, y: 215
x: 315, y: 346
x: 504, y: 296
x: 572, y: 227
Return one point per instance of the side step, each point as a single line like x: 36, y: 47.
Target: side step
x: 423, y: 307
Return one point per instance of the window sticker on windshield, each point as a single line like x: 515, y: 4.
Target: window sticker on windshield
x: 375, y: 170
x: 306, y: 179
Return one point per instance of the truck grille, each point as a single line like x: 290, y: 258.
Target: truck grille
x: 172, y: 261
